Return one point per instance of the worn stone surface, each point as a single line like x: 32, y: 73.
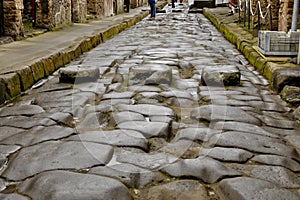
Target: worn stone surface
x: 177, y: 190
x: 244, y: 127
x: 251, y: 188
x: 122, y: 138
x: 227, y: 154
x: 26, y: 110
x: 291, y: 94
x: 56, y: 155
x: 152, y: 161
x: 252, y: 119
x: 130, y: 175
x: 78, y: 73
x: 204, y: 168
x: 150, y: 75
x: 39, y: 134
x: 6, y: 131
x: 70, y: 185
x: 148, y: 129
x: 195, y: 134
x: 223, y: 113
x: 253, y: 143
x: 148, y: 109
x: 13, y: 196
x: 277, y: 161
x: 221, y: 76
x: 284, y: 77
x: 26, y: 122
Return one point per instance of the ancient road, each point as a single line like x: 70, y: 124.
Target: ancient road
x: 147, y: 127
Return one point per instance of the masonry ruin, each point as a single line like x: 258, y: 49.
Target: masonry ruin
x: 52, y: 14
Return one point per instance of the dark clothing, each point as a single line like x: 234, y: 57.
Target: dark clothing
x: 127, y: 4
x: 152, y: 7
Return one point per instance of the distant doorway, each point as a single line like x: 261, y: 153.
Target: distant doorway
x: 1, y: 18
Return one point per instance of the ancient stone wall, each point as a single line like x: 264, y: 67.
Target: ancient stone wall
x: 108, y: 8
x: 79, y: 10
x: 13, y: 18
x: 94, y: 8
x: 61, y: 13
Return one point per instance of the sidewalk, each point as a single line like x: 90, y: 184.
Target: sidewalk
x: 279, y: 71
x: 23, y: 63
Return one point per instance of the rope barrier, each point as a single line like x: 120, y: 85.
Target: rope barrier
x: 246, y: 6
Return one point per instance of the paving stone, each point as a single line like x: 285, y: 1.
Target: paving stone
x: 39, y: 134
x: 148, y: 129
x: 78, y: 73
x: 244, y: 127
x: 12, y: 196
x: 93, y: 121
x: 178, y: 94
x: 150, y: 74
x: 8, y: 149
x: 118, y: 95
x: 62, y: 118
x: 122, y: 138
x: 221, y: 76
x: 244, y: 188
x: 223, y: 113
x: 131, y: 175
x: 181, y: 102
x: 195, y: 134
x: 204, y: 168
x: 6, y: 131
x: 278, y: 123
x: 282, y: 77
x: 153, y: 161
x: 294, y: 140
x: 227, y: 154
x: 26, y: 110
x: 277, y: 175
x: 64, y: 185
x: 254, y: 143
x: 245, y: 97
x: 181, y: 148
x: 98, y: 88
x: 291, y: 94
x: 178, y: 190
x: 144, y: 88
x: 297, y: 113
x: 148, y: 109
x: 277, y: 161
x: 56, y: 155
x: 25, y: 122
x: 127, y: 116
x: 3, y: 161
x: 266, y: 106
x: 150, y: 95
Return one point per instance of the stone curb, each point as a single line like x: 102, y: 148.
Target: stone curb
x: 244, y: 42
x: 13, y: 84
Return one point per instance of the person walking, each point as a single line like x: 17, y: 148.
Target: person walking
x: 127, y: 4
x: 152, y: 7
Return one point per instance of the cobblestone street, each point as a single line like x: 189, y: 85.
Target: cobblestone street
x: 167, y: 109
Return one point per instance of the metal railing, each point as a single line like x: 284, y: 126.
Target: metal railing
x: 255, y: 18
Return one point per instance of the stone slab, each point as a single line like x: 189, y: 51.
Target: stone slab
x: 244, y: 188
x: 56, y: 155
x: 65, y: 185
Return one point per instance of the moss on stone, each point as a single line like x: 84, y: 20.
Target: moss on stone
x: 26, y: 78
x: 38, y: 70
